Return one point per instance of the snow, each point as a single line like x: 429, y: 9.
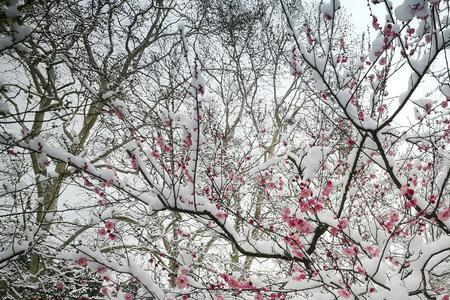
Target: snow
x: 398, y: 289
x: 419, y: 65
x: 427, y: 251
x: 120, y: 106
x: 445, y: 89
x: 185, y: 258
x: 264, y: 166
x: 295, y: 284
x: 11, y: 250
x: 198, y: 82
x: 108, y: 95
x: 440, y: 178
x: 403, y: 12
x: 4, y: 108
x: 377, y: 48
x: 96, y: 259
x: 76, y: 140
x: 19, y: 34
x: 181, y: 26
x: 317, y: 81
x: 312, y: 161
x: 329, y: 7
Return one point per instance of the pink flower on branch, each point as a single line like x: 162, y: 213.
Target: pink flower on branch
x: 181, y: 281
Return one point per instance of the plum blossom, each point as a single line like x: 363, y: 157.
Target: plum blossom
x: 344, y: 293
x: 305, y: 193
x: 328, y: 8
x: 444, y: 214
x: 82, y: 261
x: 110, y: 224
x: 373, y: 251
x: 104, y: 291
x: 102, y: 231
x: 181, y: 281
x: 221, y: 215
x: 350, y: 251
x: 112, y: 236
x: 59, y: 285
x: 296, y: 69
x: 327, y: 188
x: 343, y: 223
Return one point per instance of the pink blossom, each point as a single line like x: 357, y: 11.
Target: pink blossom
x: 127, y: 296
x: 221, y: 215
x: 350, y: 251
x: 406, y: 190
x: 343, y: 223
x: 389, y: 225
x: 285, y: 215
x: 59, y: 285
x: 184, y: 270
x: 304, y: 227
x: 82, y: 261
x: 380, y: 109
x: 299, y: 276
x: 444, y: 215
x: 292, y: 222
x: 275, y: 295
x: 271, y: 185
x: 104, y: 291
x: 373, y: 251
x: 187, y: 142
x: 181, y: 281
x: 102, y: 231
x: 394, y: 217
x: 106, y: 277
x: 155, y: 154
x: 375, y: 23
x: 305, y: 193
x: 411, y: 203
x: 298, y: 254
x: 259, y: 297
x: 327, y: 17
x: 232, y: 282
x: 334, y: 231
x: 112, y: 236
x: 134, y: 162
x: 344, y: 293
x: 327, y: 188
x: 318, y: 206
x: 86, y: 181
x: 432, y: 198
x: 444, y: 104
x: 110, y: 224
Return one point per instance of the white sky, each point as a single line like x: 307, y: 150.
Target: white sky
x: 360, y: 17
x: 360, y: 12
